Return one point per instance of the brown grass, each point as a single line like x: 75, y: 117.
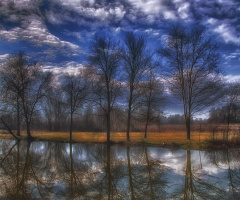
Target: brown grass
x: 173, y: 136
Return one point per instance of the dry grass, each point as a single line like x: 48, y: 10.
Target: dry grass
x: 174, y: 140
x: 173, y: 136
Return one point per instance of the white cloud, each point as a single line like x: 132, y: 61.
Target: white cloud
x: 232, y: 78
x: 169, y: 15
x: 54, y: 18
x: 3, y: 57
x: 169, y: 10
x: 33, y: 30
x: 228, y: 33
x: 183, y: 10
x: 212, y: 21
x: 68, y: 67
x: 152, y: 32
x: 148, y: 6
x: 89, y: 9
x: 118, y: 12
x: 232, y: 55
x: 224, y: 29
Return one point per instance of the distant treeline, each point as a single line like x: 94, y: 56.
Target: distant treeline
x: 223, y: 114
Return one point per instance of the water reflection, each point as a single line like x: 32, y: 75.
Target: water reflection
x: 46, y: 170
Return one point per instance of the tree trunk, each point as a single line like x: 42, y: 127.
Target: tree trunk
x: 71, y: 124
x: 109, y: 171
x: 108, y: 111
x: 146, y: 126
x: 129, y: 115
x: 29, y: 132
x: 128, y: 124
x: 130, y: 174
x: 18, y: 167
x: 18, y: 117
x: 108, y: 127
x: 149, y: 174
x: 147, y: 121
x: 228, y: 121
x: 71, y: 172
x: 188, y: 127
x: 27, y: 121
x: 189, y: 188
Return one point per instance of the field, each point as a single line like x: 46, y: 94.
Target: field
x: 173, y: 136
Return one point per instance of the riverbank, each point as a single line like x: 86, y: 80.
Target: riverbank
x: 175, y: 140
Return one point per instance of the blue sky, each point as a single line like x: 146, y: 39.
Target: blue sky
x: 57, y: 33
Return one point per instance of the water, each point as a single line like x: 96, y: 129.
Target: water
x: 47, y: 170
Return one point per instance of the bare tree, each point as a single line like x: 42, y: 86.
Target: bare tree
x: 9, y: 96
x: 232, y: 94
x: 75, y: 93
x: 54, y: 110
x: 152, y: 98
x: 106, y: 56
x: 27, y: 82
x: 192, y: 71
x: 136, y: 63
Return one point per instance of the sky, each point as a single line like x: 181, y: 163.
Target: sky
x: 57, y: 33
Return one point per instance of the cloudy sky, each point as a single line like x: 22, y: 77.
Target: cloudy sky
x: 57, y: 33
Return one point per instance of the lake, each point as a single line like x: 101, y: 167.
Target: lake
x: 48, y: 170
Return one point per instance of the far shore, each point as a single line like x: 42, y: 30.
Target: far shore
x: 174, y: 139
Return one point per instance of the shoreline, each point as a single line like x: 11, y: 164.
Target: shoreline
x: 166, y: 140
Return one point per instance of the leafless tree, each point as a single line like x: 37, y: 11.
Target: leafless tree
x: 136, y: 63
x: 27, y: 82
x: 54, y: 110
x: 106, y: 56
x: 232, y: 94
x: 192, y: 70
x: 152, y: 98
x: 75, y: 93
x: 10, y: 97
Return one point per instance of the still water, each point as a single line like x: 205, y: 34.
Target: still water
x: 47, y: 170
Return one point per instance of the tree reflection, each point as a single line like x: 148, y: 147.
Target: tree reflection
x: 197, y: 184
x: 107, y: 174
x: 233, y: 176
x: 73, y: 176
x: 45, y: 170
x: 21, y: 175
x: 228, y: 160
x: 146, y: 175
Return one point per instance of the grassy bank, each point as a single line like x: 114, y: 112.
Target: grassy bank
x: 167, y: 139
x: 175, y: 138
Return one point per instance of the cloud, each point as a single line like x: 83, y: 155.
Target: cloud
x: 232, y: 55
x: 232, y: 78
x: 18, y: 10
x: 33, y: 30
x: 152, y: 32
x: 225, y: 29
x: 62, y: 68
x: 81, y: 12
x: 183, y: 10
x: 228, y: 33
x: 221, y: 17
x: 163, y: 9
x: 3, y: 58
x: 154, y: 8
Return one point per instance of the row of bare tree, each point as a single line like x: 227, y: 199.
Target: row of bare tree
x: 118, y: 75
